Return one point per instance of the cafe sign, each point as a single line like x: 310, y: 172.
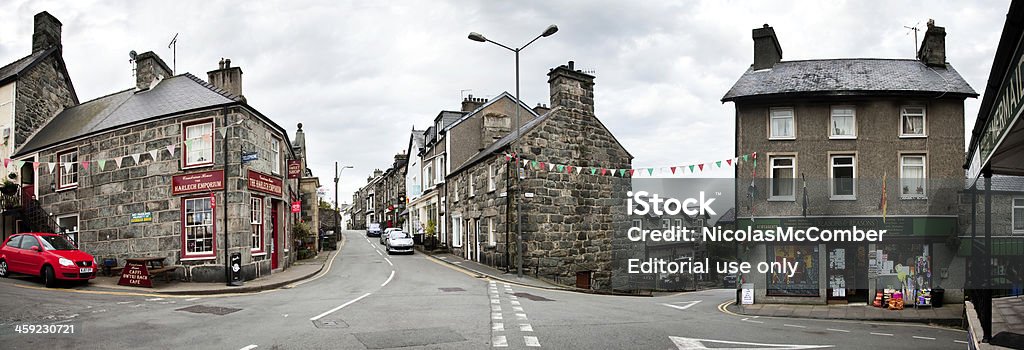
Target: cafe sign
x: 198, y: 182
x: 135, y: 274
x: 294, y: 168
x: 264, y: 183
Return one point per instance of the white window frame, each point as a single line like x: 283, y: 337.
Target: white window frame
x: 211, y: 224
x: 679, y: 223
x: 441, y: 170
x: 67, y: 176
x: 924, y: 121
x: 456, y: 231
x: 73, y: 231
x: 1013, y: 214
x: 832, y: 176
x: 491, y: 238
x: 455, y: 191
x: 185, y: 164
x: 472, y: 186
x: 491, y: 183
x: 666, y: 223
x: 771, y: 177
x: 256, y: 217
x: 772, y: 117
x: 853, y: 117
x: 275, y: 155
x: 924, y: 178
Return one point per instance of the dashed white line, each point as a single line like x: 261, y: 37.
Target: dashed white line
x: 525, y: 327
x: 389, y: 261
x: 191, y: 299
x: 515, y: 302
x: 495, y: 315
x: 837, y: 330
x: 882, y: 334
x: 495, y: 301
x: 317, y: 317
x: 795, y: 326
x: 155, y: 299
x: 499, y: 341
x: 498, y: 326
x: 960, y: 341
x: 925, y: 338
x: 378, y: 252
x: 250, y: 347
x: 495, y: 307
x: 521, y: 316
x: 756, y: 321
x: 517, y: 308
x: 531, y: 341
x: 389, y: 279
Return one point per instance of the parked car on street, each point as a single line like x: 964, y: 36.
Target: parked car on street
x: 399, y: 242
x: 384, y: 237
x: 47, y: 255
x: 373, y: 230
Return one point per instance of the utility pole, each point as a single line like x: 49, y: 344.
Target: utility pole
x: 337, y: 215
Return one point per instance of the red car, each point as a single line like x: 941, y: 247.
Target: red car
x: 47, y: 255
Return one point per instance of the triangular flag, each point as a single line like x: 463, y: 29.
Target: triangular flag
x: 541, y: 164
x: 691, y: 169
x: 67, y: 166
x: 51, y: 166
x: 631, y: 172
x: 701, y: 166
x: 561, y: 168
x: 728, y: 162
x: 551, y: 166
x: 603, y: 170
x: 135, y: 157
x: 85, y: 165
x: 7, y: 162
x: 622, y: 172
x: 674, y: 170
x: 526, y: 162
x: 718, y: 164
x: 579, y: 170
x: 533, y: 164
x: 18, y: 164
x: 152, y: 155
x: 35, y: 166
x: 593, y: 171
x: 101, y: 163
x: 117, y: 161
x: 650, y: 171
x: 568, y: 169
x: 170, y: 149
x: 219, y: 132
x: 745, y: 157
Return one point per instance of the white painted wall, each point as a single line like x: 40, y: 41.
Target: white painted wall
x: 7, y: 120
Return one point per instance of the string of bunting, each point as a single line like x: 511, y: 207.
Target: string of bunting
x: 102, y: 164
x: 604, y: 171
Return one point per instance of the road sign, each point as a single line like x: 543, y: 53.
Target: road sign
x: 249, y: 156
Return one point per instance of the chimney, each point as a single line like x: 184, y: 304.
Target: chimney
x: 46, y: 32
x: 377, y: 173
x: 540, y: 109
x: 149, y: 70
x: 470, y: 103
x: 933, y: 47
x: 227, y: 78
x: 767, y: 51
x: 571, y: 88
x: 300, y: 142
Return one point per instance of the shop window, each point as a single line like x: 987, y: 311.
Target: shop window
x: 256, y: 219
x: 912, y: 122
x: 844, y: 123
x: 68, y: 226
x: 912, y: 176
x: 843, y: 174
x: 903, y: 267
x: 67, y: 172
x: 197, y: 229
x: 783, y: 178
x: 198, y: 144
x: 1018, y: 215
x: 782, y: 125
x: 805, y: 281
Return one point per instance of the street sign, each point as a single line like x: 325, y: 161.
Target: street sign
x: 747, y: 297
x: 296, y: 206
x: 142, y: 217
x: 294, y: 168
x: 249, y: 156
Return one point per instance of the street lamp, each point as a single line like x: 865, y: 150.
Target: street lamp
x: 337, y: 213
x: 552, y: 29
x: 227, y: 266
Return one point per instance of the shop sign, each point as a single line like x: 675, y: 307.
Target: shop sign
x: 264, y: 183
x: 296, y: 206
x: 135, y: 275
x: 294, y: 168
x: 747, y: 296
x: 198, y: 182
x: 1004, y: 112
x: 142, y: 217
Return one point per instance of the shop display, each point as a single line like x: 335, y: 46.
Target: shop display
x: 805, y: 281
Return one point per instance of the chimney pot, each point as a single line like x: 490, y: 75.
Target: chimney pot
x: 227, y: 78
x: 571, y: 64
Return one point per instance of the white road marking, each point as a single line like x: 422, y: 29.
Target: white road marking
x: 495, y: 301
x: 389, y: 279
x: 191, y: 299
x: 513, y: 297
x: 925, y: 338
x: 378, y: 252
x: 250, y: 347
x: 499, y: 341
x: 521, y: 316
x: 389, y: 261
x: 696, y: 343
x: 515, y: 302
x: 155, y: 299
x: 495, y: 315
x: 317, y: 317
x: 837, y: 330
x: 517, y: 308
x: 756, y: 321
x: 126, y: 302
x: 882, y: 334
x: 495, y: 307
x: 498, y: 326
x: 960, y: 341
x: 531, y: 341
x: 793, y: 325
x: 525, y: 327
x: 507, y: 285
x: 686, y: 304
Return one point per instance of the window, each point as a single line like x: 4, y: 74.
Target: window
x: 256, y: 219
x: 456, y: 231
x: 843, y: 170
x: 455, y: 191
x: 67, y: 172
x: 1018, y: 215
x: 198, y: 144
x: 275, y: 155
x: 429, y: 176
x: 666, y: 223
x: 440, y: 170
x: 783, y: 178
x: 491, y: 185
x: 197, y: 232
x: 912, y: 122
x: 68, y: 226
x: 491, y: 240
x: 912, y: 176
x: 638, y: 224
x: 781, y: 126
x: 844, y: 123
x: 472, y: 187
x: 679, y: 223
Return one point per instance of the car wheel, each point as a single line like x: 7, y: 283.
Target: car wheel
x: 3, y: 268
x: 49, y: 279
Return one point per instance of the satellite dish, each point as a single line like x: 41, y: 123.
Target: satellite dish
x: 132, y: 54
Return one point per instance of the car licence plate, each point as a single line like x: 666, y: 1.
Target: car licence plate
x: 85, y: 270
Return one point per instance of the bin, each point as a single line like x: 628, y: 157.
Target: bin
x: 937, y: 295
x: 583, y: 279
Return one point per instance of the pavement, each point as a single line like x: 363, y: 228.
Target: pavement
x: 948, y: 315
x: 500, y: 275
x: 1008, y: 314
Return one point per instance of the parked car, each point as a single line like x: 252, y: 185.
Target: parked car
x: 373, y: 230
x: 384, y: 237
x: 399, y: 242
x: 49, y: 256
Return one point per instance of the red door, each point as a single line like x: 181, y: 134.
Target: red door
x: 273, y: 236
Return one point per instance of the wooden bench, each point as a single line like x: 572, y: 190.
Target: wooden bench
x: 163, y: 271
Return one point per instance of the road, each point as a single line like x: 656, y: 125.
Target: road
x: 369, y: 300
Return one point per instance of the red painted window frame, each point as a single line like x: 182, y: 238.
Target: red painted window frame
x: 184, y: 251
x: 184, y: 143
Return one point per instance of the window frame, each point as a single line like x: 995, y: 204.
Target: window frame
x: 492, y: 183
x: 924, y: 121
x: 771, y: 177
x: 260, y: 226
x: 924, y: 172
x: 831, y: 119
x: 275, y: 152
x: 832, y: 176
x: 492, y: 239
x: 74, y: 231
x: 185, y: 254
x: 184, y: 143
x: 666, y: 224
x: 792, y: 118
x: 1013, y: 214
x: 61, y: 169
x: 455, y: 190
x: 472, y: 185
x: 457, y: 231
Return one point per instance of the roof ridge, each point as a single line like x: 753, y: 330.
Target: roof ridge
x: 212, y: 87
x: 852, y: 59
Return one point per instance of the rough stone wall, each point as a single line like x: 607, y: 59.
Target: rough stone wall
x: 104, y: 199
x: 41, y: 93
x: 486, y: 206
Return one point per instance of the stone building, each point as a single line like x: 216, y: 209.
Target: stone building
x: 413, y: 186
x: 568, y: 220
x: 872, y: 143
x: 153, y: 170
x: 309, y: 199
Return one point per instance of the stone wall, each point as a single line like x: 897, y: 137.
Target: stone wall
x: 42, y: 92
x: 488, y: 207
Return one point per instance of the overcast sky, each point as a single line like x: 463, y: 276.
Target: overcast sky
x: 360, y: 75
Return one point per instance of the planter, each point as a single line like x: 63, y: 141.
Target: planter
x: 9, y: 189
x: 430, y: 243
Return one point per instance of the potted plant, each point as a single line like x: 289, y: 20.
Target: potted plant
x: 304, y: 234
x: 430, y: 241
x: 9, y: 187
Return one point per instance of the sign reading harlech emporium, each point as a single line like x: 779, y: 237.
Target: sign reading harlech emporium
x: 198, y: 182
x: 294, y: 168
x: 265, y: 183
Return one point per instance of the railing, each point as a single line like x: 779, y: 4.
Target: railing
x: 10, y: 202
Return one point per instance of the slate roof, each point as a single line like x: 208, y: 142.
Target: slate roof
x: 854, y: 76
x: 1000, y: 183
x: 465, y: 115
x: 449, y: 117
x: 171, y: 96
x: 14, y: 68
x: 505, y: 141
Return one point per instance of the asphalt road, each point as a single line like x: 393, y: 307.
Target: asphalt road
x: 369, y: 300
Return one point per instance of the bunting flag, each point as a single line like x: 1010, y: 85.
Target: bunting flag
x: 35, y: 166
x: 579, y: 170
x: 117, y: 161
x: 674, y: 170
x: 101, y: 163
x: 170, y: 149
x: 152, y: 155
x: 51, y: 165
x: 135, y: 157
x: 593, y: 171
x: 85, y: 165
x: 650, y: 171
x: 18, y: 164
x: 691, y: 168
x: 7, y: 162
x: 603, y: 171
x: 551, y: 166
x: 622, y: 172
x: 718, y: 164
x: 701, y: 166
x: 728, y: 162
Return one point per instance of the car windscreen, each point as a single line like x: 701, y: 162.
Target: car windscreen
x: 399, y: 234
x: 57, y: 243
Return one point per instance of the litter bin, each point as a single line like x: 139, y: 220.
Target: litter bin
x: 583, y: 279
x: 235, y: 270
x: 937, y: 294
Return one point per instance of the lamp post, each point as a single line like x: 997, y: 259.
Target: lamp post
x: 227, y: 128
x: 552, y: 29
x: 337, y: 213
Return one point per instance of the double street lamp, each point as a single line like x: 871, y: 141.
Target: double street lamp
x: 552, y: 29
